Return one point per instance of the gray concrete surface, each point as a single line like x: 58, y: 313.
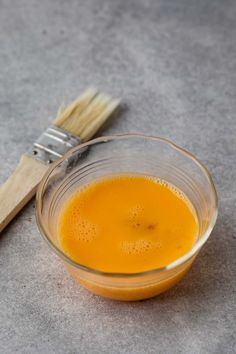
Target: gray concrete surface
x: 174, y: 65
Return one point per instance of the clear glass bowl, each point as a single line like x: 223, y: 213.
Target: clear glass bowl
x: 130, y: 154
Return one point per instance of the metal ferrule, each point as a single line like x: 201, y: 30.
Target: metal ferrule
x: 53, y: 144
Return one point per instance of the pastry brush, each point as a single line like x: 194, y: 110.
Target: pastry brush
x: 73, y: 125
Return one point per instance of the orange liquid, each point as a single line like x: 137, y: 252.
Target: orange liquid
x: 127, y: 224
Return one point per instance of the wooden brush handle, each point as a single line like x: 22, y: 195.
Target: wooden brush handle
x: 19, y: 188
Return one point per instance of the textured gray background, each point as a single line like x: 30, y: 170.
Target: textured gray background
x: 174, y: 64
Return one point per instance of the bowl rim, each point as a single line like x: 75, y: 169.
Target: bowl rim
x: 179, y: 261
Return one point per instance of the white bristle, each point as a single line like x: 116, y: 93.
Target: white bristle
x: 86, y: 114
x: 92, y: 128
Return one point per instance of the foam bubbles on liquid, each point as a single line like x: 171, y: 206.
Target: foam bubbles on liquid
x: 137, y: 220
x: 139, y: 246
x: 84, y: 230
x: 134, y: 214
x: 171, y: 187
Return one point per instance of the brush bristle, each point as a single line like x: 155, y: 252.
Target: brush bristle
x: 86, y: 114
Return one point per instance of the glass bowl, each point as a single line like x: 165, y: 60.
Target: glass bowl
x: 130, y: 154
